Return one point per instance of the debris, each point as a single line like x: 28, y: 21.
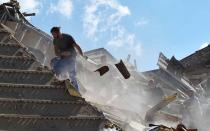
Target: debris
x: 123, y: 70
x: 151, y: 112
x: 72, y: 91
x: 102, y: 70
x: 180, y: 127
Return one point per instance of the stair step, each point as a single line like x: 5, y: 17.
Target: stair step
x: 17, y: 62
x: 40, y: 123
x: 46, y: 107
x: 45, y: 92
x: 25, y: 76
x: 9, y: 49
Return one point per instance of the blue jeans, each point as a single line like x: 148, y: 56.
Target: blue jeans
x: 66, y: 66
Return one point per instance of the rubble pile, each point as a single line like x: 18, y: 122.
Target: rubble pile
x: 174, y: 97
x: 177, y: 92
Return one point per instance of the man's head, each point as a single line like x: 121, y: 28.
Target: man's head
x: 55, y: 31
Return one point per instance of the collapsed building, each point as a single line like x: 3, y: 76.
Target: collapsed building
x: 32, y: 98
x: 182, y: 78
x: 190, y: 78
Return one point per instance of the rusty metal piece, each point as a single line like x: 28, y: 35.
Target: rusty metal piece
x: 102, y: 70
x: 123, y: 69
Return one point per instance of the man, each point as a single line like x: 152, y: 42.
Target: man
x: 65, y: 49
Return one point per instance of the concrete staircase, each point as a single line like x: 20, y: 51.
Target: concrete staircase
x: 32, y: 99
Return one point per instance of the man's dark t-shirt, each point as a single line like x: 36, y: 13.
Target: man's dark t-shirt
x: 65, y: 43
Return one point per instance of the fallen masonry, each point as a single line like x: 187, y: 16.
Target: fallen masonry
x: 32, y: 98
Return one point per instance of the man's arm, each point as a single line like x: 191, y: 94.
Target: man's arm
x: 75, y: 45
x: 78, y: 48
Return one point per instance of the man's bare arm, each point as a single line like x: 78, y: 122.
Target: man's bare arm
x: 78, y: 48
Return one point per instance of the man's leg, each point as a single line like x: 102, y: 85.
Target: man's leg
x: 65, y: 66
x: 55, y: 65
x: 71, y: 69
x: 74, y: 79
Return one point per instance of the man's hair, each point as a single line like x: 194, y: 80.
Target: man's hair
x: 55, y: 29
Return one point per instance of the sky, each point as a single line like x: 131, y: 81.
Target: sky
x: 142, y: 28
